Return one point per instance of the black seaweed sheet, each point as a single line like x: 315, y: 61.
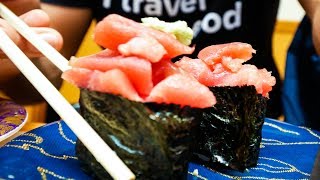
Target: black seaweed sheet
x: 230, y: 132
x: 154, y: 140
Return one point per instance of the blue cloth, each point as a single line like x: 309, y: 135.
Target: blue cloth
x: 287, y: 152
x: 301, y: 97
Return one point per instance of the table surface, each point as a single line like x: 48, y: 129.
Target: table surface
x: 287, y: 152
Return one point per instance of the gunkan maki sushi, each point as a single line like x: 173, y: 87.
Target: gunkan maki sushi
x: 143, y: 106
x: 230, y: 131
x: 158, y: 115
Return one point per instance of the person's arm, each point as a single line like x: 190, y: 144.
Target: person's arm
x: 312, y: 8
x: 72, y: 24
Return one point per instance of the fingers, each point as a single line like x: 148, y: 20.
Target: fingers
x: 36, y: 18
x: 39, y: 21
x: 10, y: 31
x: 50, y: 35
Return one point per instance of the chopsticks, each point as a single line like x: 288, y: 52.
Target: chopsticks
x: 94, y: 143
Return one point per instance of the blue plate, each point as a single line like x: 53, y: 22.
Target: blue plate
x: 287, y: 152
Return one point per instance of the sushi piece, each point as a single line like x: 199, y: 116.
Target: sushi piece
x: 230, y: 131
x: 154, y: 140
x: 143, y: 106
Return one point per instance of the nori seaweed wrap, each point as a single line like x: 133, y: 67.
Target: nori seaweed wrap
x: 230, y: 132
x: 154, y: 140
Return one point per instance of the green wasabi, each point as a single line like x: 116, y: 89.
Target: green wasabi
x: 179, y: 29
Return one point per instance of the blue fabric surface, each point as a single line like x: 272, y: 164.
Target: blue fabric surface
x: 301, y: 98
x: 287, y: 152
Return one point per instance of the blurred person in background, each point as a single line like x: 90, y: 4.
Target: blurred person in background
x: 301, y: 99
